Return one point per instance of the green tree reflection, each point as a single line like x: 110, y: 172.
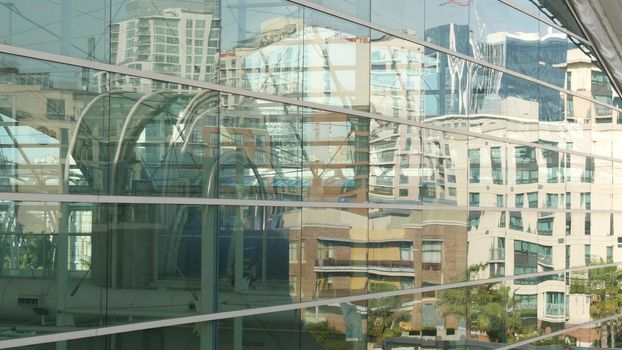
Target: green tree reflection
x: 488, y: 308
x: 385, y: 315
x: 328, y: 336
x: 604, y: 285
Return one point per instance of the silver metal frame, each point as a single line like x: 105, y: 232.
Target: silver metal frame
x: 546, y: 21
x: 102, y: 331
x: 312, y: 105
x: 415, y: 40
x: 285, y: 100
x: 114, y: 199
x: 178, y: 321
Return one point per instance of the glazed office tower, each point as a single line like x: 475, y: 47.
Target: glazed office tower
x: 270, y: 174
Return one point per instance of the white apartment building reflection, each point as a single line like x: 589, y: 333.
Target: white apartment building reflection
x: 180, y: 41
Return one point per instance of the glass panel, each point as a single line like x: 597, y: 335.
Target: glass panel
x: 261, y: 47
x: 337, y: 242
x: 356, y: 8
x: 53, y: 270
x: 524, y: 169
x: 489, y: 256
x: 262, y: 259
x: 180, y: 39
x: 602, y: 188
x: 71, y: 28
x: 162, y: 261
x: 416, y: 248
x: 48, y: 111
x: 397, y: 78
x: 336, y: 157
x: 269, y: 331
x: 489, y: 22
x: 446, y: 83
x: 339, y: 326
x: 416, y: 165
x: 488, y: 176
x: 162, y: 145
x: 261, y: 151
x: 158, y: 252
x: 447, y: 25
x: 336, y: 62
x: 416, y: 83
x: 403, y: 15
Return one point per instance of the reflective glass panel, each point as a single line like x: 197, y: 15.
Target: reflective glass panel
x: 403, y: 15
x: 261, y: 152
x: 262, y: 257
x: 261, y: 47
x: 179, y: 38
x: 335, y: 157
x: 45, y: 111
x: 337, y: 243
x: 71, y: 28
x: 336, y: 61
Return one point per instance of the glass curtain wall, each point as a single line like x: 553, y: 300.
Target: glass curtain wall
x: 262, y: 174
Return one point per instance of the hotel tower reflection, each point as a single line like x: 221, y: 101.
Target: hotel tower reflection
x: 377, y: 190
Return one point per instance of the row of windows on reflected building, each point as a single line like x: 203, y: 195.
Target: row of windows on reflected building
x: 471, y: 173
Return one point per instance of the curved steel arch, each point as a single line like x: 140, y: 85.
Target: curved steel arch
x: 83, y: 134
x: 145, y: 110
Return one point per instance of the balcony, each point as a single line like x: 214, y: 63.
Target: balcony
x: 382, y: 263
x: 376, y: 266
x: 381, y: 191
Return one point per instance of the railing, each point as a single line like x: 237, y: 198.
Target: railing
x: 368, y: 263
x: 379, y: 190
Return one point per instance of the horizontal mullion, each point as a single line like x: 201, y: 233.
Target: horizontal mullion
x: 274, y: 98
x: 169, y: 322
x: 442, y: 49
x: 116, y: 199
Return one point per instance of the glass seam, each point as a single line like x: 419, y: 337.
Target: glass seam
x: 170, y: 78
x: 112, y: 199
x: 435, y: 47
x: 110, y: 330
x: 545, y: 21
x: 280, y: 99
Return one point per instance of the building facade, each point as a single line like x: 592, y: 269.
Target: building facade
x: 267, y: 174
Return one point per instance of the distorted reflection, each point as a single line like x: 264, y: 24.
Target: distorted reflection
x: 479, y: 175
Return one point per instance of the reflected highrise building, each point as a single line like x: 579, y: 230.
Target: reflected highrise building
x: 180, y: 41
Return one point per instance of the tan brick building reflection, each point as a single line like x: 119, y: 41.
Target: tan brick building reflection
x: 341, y: 253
